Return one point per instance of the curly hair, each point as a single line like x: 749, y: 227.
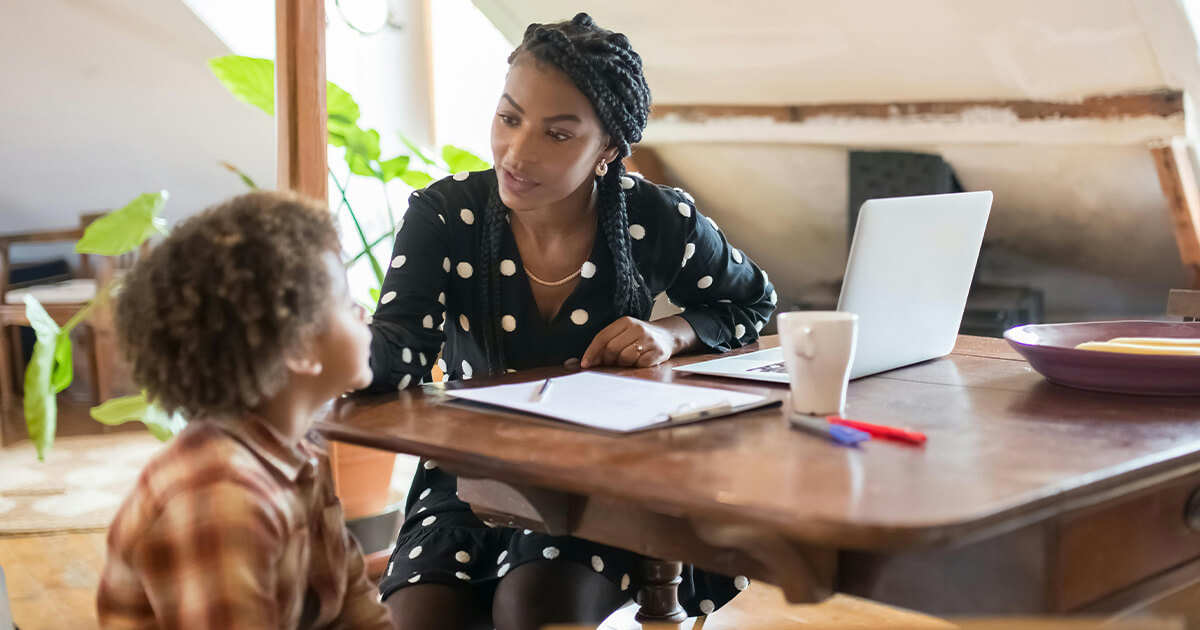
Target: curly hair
x: 208, y: 317
x: 605, y: 68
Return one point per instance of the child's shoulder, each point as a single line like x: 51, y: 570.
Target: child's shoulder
x: 202, y: 460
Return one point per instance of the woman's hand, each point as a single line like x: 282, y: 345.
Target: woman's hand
x: 632, y: 342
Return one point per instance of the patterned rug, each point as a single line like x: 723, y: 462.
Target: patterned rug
x: 78, y: 488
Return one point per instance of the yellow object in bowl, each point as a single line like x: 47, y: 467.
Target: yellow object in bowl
x: 1170, y: 342
x: 1141, y: 348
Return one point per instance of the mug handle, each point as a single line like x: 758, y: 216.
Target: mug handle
x: 803, y: 344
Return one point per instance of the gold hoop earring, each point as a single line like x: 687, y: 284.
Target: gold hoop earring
x: 602, y: 169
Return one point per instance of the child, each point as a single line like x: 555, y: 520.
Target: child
x: 242, y: 321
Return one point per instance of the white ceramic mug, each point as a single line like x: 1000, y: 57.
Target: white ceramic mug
x: 818, y: 349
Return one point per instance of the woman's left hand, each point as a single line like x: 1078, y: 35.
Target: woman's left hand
x: 630, y: 342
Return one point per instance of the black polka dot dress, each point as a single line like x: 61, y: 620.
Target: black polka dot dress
x: 429, y: 306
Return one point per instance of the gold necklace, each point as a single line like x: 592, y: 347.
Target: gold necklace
x: 546, y: 283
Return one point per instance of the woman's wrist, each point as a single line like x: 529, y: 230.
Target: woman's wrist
x: 683, y: 336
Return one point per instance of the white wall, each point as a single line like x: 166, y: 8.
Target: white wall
x: 105, y: 99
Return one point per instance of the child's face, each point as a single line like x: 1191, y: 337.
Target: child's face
x: 343, y: 348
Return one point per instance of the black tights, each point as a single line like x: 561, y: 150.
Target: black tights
x: 529, y: 597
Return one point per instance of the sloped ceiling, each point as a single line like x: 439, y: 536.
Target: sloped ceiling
x: 104, y: 99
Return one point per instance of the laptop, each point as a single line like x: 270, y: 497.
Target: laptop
x: 907, y: 278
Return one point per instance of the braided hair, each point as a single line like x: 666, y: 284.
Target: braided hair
x: 604, y: 67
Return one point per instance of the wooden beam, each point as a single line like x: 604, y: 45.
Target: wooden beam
x: 1160, y: 104
x: 1177, y: 175
x: 300, y: 111
x: 1115, y: 120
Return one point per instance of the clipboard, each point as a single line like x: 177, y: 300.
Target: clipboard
x: 615, y: 403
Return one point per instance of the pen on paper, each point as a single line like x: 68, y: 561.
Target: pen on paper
x: 542, y: 391
x: 720, y: 408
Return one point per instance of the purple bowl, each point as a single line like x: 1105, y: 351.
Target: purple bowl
x: 1050, y: 349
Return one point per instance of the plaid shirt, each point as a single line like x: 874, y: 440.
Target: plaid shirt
x: 230, y: 528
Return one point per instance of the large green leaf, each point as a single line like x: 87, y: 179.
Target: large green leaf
x: 41, y: 406
x: 459, y: 160
x: 394, y: 167
x: 139, y: 409
x: 416, y: 179
x: 122, y: 231
x: 251, y: 80
x: 237, y: 171
x: 339, y: 104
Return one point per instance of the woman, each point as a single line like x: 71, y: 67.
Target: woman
x: 550, y: 258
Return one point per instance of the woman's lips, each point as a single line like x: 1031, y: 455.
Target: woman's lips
x: 516, y: 183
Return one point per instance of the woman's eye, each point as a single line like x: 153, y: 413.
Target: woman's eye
x: 507, y: 120
x: 557, y: 135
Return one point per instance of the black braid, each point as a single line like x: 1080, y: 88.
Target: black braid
x: 605, y: 68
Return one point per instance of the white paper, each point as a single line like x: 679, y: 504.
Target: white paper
x: 603, y: 401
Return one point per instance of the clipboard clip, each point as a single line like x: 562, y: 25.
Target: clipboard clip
x: 693, y: 413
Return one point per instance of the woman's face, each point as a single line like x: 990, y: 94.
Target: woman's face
x: 546, y: 139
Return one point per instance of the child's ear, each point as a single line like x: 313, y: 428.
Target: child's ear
x: 306, y: 365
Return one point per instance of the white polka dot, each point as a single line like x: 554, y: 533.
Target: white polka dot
x: 462, y: 576
x: 387, y: 297
x: 725, y: 301
x: 370, y: 318
x: 442, y: 218
x: 425, y: 494
x: 685, y: 209
x: 503, y: 570
x: 626, y: 183
x: 441, y: 363
x: 597, y: 564
x: 421, y: 358
x: 461, y: 177
x: 527, y: 532
x: 391, y: 565
x: 741, y: 583
x: 705, y: 282
x: 414, y: 579
x: 637, y: 232
x: 465, y: 270
x: 766, y: 278
x: 467, y: 369
x: 737, y: 256
x: 462, y: 557
x: 429, y: 520
x: 689, y: 250
x: 503, y: 555
x: 399, y: 261
x: 507, y: 267
x: 579, y: 316
x: 430, y: 464
x: 467, y: 216
x: 739, y: 331
x: 446, y: 265
x: 464, y: 322
x: 550, y: 553
x: 572, y: 362
x: 587, y: 270
x: 423, y: 508
x: 774, y: 297
x: 428, y: 321
x: 625, y: 582
x: 399, y: 225
x: 707, y: 607
x: 637, y: 175
x: 508, y: 323
x: 406, y: 355
x: 758, y: 326
x: 510, y: 371
x: 405, y: 381
x: 442, y: 298
x: 714, y: 224
x: 416, y: 551
x: 690, y: 198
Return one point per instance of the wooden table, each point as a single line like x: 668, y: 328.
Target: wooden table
x: 1029, y: 498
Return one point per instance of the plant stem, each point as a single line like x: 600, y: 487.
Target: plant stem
x: 365, y: 251
x: 102, y: 296
x: 387, y: 199
x: 362, y: 235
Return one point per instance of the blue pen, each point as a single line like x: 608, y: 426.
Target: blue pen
x: 839, y: 434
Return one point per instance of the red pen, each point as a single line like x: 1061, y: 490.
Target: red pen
x: 880, y: 431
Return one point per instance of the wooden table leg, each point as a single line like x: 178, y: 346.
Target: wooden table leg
x: 658, y: 598
x: 7, y: 385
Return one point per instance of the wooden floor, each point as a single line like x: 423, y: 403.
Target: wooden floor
x: 52, y: 579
